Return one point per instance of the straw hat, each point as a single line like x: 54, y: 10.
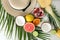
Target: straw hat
x: 15, y: 12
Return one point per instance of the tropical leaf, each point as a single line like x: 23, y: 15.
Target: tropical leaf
x: 54, y: 10
x: 42, y: 35
x: 4, y: 16
x: 29, y: 36
x: 52, y: 21
x: 0, y: 5
x: 24, y: 35
x: 7, y: 21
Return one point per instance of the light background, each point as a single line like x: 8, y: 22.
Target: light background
x: 53, y: 37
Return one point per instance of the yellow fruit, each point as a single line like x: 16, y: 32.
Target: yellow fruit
x: 58, y: 33
x: 29, y: 18
x: 44, y: 3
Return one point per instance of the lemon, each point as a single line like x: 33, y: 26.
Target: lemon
x: 29, y: 17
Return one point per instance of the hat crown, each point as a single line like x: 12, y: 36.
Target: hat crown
x: 18, y: 4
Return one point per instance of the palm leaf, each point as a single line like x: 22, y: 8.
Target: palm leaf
x: 52, y: 21
x: 20, y: 32
x: 4, y: 21
x: 3, y: 13
x: 54, y: 10
x: 24, y: 35
x: 7, y: 21
x: 29, y: 36
x: 13, y: 20
x: 42, y: 35
x: 4, y: 16
x: 9, y: 24
x: 0, y: 5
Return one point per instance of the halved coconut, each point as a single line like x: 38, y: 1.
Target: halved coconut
x: 20, y: 20
x: 14, y: 12
x: 46, y: 27
x: 19, y: 4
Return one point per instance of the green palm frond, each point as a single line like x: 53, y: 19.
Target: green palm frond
x: 0, y: 5
x: 7, y: 21
x: 54, y: 20
x: 24, y: 35
x: 55, y: 11
x: 42, y: 35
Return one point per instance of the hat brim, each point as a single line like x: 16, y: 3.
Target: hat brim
x: 14, y: 12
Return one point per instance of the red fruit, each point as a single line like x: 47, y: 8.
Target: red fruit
x: 38, y: 12
x: 29, y: 27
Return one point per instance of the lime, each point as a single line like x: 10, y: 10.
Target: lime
x: 53, y: 32
x: 35, y: 33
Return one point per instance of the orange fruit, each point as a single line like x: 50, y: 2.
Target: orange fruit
x: 36, y: 21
